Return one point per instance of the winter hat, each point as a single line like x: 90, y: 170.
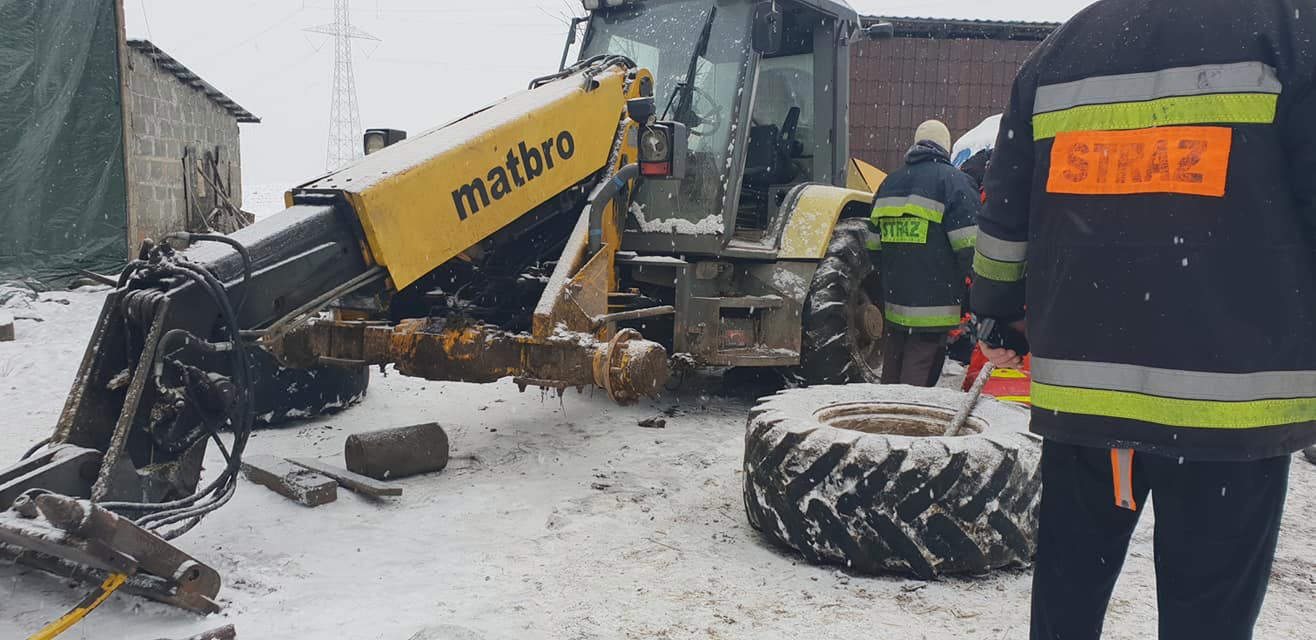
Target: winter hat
x: 933, y: 131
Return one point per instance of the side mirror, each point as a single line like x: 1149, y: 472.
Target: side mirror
x: 769, y: 28
x: 642, y: 110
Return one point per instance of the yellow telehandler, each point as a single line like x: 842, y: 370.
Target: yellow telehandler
x: 685, y: 188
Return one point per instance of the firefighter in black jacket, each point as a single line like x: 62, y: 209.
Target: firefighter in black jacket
x: 924, y: 221
x: 1152, y: 207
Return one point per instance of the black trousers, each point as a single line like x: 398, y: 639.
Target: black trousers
x: 1217, y: 524
x: 913, y: 358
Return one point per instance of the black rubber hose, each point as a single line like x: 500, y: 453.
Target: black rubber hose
x: 598, y: 200
x: 241, y: 428
x: 128, y: 271
x: 237, y: 246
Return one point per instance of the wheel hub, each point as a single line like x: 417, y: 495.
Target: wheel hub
x: 872, y: 322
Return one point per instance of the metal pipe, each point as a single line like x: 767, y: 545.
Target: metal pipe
x: 962, y: 416
x: 634, y: 314
x: 292, y: 319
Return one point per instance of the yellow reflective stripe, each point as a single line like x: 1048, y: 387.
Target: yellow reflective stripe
x: 920, y: 322
x: 1173, y: 412
x: 968, y: 242
x: 997, y: 270
x: 1175, y: 383
x: 1020, y: 399
x: 923, y: 317
x: 931, y: 215
x: 1233, y: 108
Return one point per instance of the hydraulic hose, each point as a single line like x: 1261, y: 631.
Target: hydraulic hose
x: 599, y: 198
x: 237, y: 246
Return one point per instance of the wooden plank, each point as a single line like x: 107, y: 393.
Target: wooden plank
x: 353, y: 481
x: 296, y: 483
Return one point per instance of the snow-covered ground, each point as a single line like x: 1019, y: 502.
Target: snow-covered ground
x: 556, y: 519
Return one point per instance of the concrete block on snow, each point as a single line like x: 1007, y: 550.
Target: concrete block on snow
x: 299, y: 484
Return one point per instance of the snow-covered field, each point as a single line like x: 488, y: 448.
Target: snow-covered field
x: 263, y: 199
x: 555, y: 520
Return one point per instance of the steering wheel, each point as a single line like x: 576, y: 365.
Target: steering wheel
x: 705, y: 111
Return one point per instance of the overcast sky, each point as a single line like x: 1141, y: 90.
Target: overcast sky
x: 437, y: 59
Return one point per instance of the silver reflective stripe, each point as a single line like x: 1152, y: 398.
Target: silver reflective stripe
x: 923, y: 312
x: 1242, y: 77
x: 1122, y: 470
x: 962, y: 235
x: 1001, y: 250
x: 1172, y: 383
x: 918, y: 201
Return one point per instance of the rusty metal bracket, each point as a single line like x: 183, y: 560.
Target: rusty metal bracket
x: 77, y: 539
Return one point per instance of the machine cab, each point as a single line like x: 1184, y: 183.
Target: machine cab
x: 765, y: 114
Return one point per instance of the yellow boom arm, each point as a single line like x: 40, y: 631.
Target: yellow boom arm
x: 428, y: 199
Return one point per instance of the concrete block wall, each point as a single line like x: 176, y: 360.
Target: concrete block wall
x: 167, y: 115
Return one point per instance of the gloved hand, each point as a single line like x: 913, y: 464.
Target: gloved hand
x: 1005, y: 345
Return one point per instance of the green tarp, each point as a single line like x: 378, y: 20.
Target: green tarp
x: 62, y: 187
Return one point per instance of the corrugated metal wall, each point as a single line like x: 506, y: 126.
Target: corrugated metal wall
x: 899, y: 83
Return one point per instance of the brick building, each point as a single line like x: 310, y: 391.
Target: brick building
x: 184, y: 155
x: 959, y: 71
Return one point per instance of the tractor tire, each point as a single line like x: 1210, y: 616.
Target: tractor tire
x: 285, y: 394
x: 842, y: 323
x: 859, y: 476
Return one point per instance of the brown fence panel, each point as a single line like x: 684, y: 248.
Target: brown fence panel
x: 896, y: 84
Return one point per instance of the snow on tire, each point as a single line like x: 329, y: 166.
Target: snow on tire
x: 859, y: 476
x: 842, y: 324
x: 285, y: 394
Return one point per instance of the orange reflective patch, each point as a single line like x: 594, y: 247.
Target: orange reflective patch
x: 1188, y: 160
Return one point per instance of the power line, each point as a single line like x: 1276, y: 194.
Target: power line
x: 147, y: 22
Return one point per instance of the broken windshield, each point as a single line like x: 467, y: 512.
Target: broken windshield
x: 662, y: 36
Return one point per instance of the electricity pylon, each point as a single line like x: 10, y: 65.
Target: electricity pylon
x: 344, y: 116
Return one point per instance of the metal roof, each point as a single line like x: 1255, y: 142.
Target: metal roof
x: 838, y: 8
x: 953, y: 28
x: 185, y: 75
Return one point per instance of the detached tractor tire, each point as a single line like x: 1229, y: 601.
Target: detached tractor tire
x: 859, y: 476
x: 842, y: 323
x: 286, y: 394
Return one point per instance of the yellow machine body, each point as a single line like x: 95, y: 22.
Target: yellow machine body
x: 863, y: 176
x: 814, y: 216
x: 428, y: 199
